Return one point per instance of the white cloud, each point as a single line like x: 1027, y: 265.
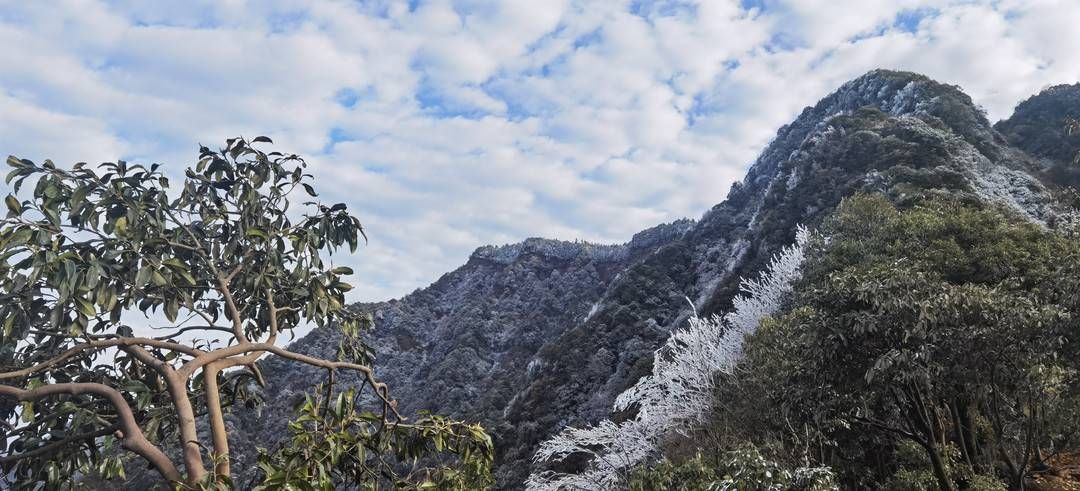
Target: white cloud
x: 459, y: 123
x: 62, y: 137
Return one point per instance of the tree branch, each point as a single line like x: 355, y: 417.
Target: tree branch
x: 130, y: 435
x: 97, y: 345
x: 193, y: 328
x: 185, y: 415
x: 273, y: 316
x: 217, y: 420
x: 53, y: 446
x: 230, y: 308
x: 884, y: 427
x: 255, y: 350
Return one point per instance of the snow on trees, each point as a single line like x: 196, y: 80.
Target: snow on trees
x: 680, y: 389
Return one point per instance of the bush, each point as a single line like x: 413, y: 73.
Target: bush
x: 742, y: 469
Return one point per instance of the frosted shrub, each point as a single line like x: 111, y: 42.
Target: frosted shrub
x: 680, y: 389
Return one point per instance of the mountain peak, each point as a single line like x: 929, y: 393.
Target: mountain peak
x: 557, y: 249
x: 1038, y: 127
x: 896, y: 94
x: 900, y: 93
x: 564, y: 249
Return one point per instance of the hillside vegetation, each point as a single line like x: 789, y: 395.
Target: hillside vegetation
x: 926, y: 346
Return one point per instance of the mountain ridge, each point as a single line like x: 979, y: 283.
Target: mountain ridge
x: 564, y: 249
x: 530, y: 337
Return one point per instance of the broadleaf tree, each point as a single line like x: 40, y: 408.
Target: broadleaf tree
x: 946, y: 326
x: 234, y: 259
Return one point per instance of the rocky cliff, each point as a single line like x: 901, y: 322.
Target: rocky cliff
x: 531, y: 337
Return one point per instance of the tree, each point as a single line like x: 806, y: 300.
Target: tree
x: 681, y: 389
x: 948, y: 325
x: 227, y: 258
x: 743, y: 468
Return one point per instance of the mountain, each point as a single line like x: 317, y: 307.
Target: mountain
x: 532, y: 337
x: 1038, y: 127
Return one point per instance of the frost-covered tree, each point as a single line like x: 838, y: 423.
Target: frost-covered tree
x: 680, y: 389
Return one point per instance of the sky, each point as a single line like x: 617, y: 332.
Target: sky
x: 446, y: 125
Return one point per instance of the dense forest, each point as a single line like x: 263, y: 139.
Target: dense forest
x: 928, y: 345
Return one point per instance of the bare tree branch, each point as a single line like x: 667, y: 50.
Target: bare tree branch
x: 194, y: 328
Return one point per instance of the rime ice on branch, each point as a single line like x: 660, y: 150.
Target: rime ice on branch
x: 680, y: 389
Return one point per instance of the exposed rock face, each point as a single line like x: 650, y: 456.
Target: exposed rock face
x: 531, y: 337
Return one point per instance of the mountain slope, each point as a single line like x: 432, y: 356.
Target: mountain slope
x: 1039, y: 127
x: 891, y: 132
x: 462, y: 346
x: 532, y: 337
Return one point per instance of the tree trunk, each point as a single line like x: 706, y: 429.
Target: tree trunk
x: 961, y: 434
x: 965, y: 411
x: 217, y: 421
x: 189, y: 438
x: 940, y: 472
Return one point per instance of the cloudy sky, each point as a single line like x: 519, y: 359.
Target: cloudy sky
x: 446, y: 125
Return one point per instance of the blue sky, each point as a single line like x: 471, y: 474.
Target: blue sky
x: 446, y: 125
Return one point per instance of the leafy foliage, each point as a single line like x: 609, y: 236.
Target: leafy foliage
x: 92, y: 256
x: 741, y: 469
x: 947, y: 325
x: 914, y: 470
x: 334, y: 444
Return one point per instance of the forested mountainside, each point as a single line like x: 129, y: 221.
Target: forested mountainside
x: 464, y: 345
x: 533, y: 337
x: 1040, y: 126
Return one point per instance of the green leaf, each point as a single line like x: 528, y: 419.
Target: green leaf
x: 51, y: 191
x: 121, y: 226
x: 110, y: 304
x: 172, y: 308
x: 309, y: 189
x: 28, y: 412
x: 143, y: 276
x: 52, y: 215
x: 254, y: 232
x: 157, y: 279
x: 342, y: 270
x: 52, y: 474
x: 186, y: 276
x: 339, y: 405
x: 134, y: 386
x: 85, y: 307
x: 21, y: 236
x: 13, y: 205
x: 78, y: 196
